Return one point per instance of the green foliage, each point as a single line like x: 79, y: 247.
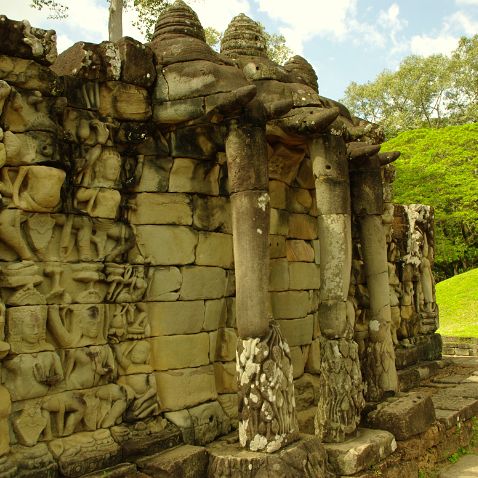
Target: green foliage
x: 457, y: 299
x: 57, y: 9
x: 439, y: 167
x: 432, y: 91
x: 454, y: 457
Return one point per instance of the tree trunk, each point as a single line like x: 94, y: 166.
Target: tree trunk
x: 115, y: 20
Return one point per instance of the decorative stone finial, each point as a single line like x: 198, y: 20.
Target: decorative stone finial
x: 302, y: 71
x: 244, y: 37
x: 179, y: 19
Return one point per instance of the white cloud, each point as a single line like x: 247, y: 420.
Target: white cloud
x: 304, y: 19
x: 426, y: 45
x: 218, y: 13
x: 462, y: 21
x: 467, y: 2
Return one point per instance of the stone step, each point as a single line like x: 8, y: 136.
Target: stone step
x: 185, y: 461
x: 123, y: 470
x: 365, y: 450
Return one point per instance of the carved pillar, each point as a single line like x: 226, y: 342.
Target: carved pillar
x: 341, y: 401
x: 267, y: 419
x: 378, y: 365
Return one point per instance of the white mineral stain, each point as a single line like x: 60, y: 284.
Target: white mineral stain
x: 374, y: 325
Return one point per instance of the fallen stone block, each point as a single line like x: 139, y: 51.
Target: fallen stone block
x: 363, y: 451
x: 185, y: 461
x: 404, y: 416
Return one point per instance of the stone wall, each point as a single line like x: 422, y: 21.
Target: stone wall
x: 117, y: 268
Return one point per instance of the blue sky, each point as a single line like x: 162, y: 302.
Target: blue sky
x: 345, y: 40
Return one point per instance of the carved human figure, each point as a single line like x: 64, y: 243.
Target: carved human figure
x: 426, y: 277
x: 27, y: 329
x: 33, y: 188
x: 139, y: 383
x: 32, y: 375
x: 105, y: 406
x: 5, y: 403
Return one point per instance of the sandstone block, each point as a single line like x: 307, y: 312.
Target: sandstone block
x: 179, y: 389
x: 186, y: 461
x: 303, y: 226
x: 225, y: 373
x: 298, y: 250
x: 215, y: 249
x: 212, y: 213
x: 174, y: 318
x: 203, y: 283
x: 279, y: 222
x: 154, y: 174
x: 284, y: 162
x: 191, y: 176
x: 223, y: 345
x: 404, y: 416
x: 197, y: 142
x: 305, y: 176
x: 167, y: 208
x: 298, y: 331
x: 304, y: 275
x: 124, y: 101
x: 209, y: 421
x: 290, y: 304
x: 137, y: 62
x: 358, y: 453
x: 300, y: 201
x: 313, y: 359
x: 279, y: 275
x: 164, y: 284
x: 167, y: 245
x: 179, y: 351
x: 278, y: 194
x: 215, y: 315
x: 229, y: 403
x: 297, y: 359
x: 277, y: 246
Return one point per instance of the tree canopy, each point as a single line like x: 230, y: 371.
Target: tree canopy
x: 439, y: 167
x: 433, y: 91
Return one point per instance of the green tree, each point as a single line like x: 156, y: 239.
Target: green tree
x: 414, y: 96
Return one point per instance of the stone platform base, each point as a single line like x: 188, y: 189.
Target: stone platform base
x: 306, y: 458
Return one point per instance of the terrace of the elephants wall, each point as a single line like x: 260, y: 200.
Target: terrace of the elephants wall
x: 160, y: 204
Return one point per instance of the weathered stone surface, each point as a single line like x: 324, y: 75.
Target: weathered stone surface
x: 168, y: 208
x: 179, y: 351
x: 223, y: 344
x: 154, y: 175
x: 279, y: 222
x: 299, y: 251
x: 356, y: 454
x: 303, y: 275
x: 225, y: 373
x: 298, y: 331
x: 279, y: 275
x: 303, y: 226
x: 209, y: 421
x: 178, y: 244
x: 203, y: 283
x: 186, y: 461
x: 137, y: 62
x: 29, y: 75
x: 215, y: 315
x: 212, y: 213
x: 173, y: 318
x: 124, y: 101
x: 229, y: 403
x: 277, y: 247
x: 314, y: 358
x: 174, y: 387
x: 404, y: 416
x: 305, y: 458
x: 278, y: 194
x: 164, y: 284
x: 215, y: 249
x: 297, y: 360
x: 191, y: 176
x: 22, y: 40
x: 290, y: 305
x: 123, y: 470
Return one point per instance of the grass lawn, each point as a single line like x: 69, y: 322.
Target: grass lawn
x: 457, y: 300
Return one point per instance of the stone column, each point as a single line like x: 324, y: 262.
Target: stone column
x: 267, y: 419
x: 378, y: 364
x: 341, y: 401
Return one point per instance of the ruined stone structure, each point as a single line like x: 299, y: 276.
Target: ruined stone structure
x: 193, y: 242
